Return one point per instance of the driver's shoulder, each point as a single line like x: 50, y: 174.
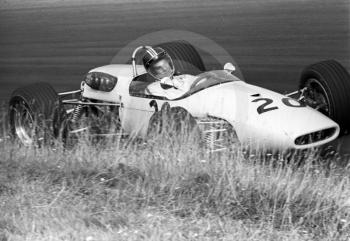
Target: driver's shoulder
x: 154, y: 85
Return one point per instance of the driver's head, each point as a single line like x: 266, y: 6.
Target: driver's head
x: 158, y: 63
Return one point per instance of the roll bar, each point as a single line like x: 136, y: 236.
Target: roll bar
x: 133, y: 58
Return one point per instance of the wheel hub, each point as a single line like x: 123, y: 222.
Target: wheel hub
x: 316, y: 96
x: 24, y: 124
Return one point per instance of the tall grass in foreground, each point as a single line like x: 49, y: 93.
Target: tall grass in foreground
x: 162, y: 191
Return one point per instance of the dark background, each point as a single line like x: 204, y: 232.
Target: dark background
x: 271, y: 40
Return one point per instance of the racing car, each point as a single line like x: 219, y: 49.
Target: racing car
x: 219, y: 106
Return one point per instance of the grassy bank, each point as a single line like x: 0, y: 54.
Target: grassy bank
x: 159, y: 191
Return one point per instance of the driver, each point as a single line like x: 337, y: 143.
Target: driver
x: 159, y: 64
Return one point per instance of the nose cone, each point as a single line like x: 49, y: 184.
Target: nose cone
x: 291, y: 127
x: 268, y: 120
x: 297, y: 128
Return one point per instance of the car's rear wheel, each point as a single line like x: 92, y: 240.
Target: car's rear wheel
x: 31, y: 111
x: 326, y: 87
x: 186, y: 58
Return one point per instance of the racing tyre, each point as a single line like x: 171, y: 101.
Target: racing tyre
x: 327, y: 89
x: 60, y: 117
x: 30, y: 113
x: 186, y: 58
x: 175, y: 127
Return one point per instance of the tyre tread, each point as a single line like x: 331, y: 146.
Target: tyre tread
x: 186, y: 58
x: 336, y: 81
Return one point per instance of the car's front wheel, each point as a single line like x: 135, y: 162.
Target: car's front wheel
x: 174, y: 127
x: 326, y: 87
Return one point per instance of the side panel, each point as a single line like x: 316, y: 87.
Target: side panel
x: 136, y: 112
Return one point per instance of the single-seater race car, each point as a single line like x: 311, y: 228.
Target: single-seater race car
x: 219, y: 106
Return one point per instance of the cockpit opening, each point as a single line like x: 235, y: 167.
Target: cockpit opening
x: 140, y: 86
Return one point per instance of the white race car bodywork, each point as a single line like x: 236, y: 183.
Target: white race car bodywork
x: 262, y: 119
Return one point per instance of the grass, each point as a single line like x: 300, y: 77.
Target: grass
x: 157, y: 191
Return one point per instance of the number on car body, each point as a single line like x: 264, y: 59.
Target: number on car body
x: 263, y: 107
x: 267, y: 104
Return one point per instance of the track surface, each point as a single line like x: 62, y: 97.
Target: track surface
x: 59, y: 41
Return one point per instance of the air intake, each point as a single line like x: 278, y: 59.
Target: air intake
x: 315, y: 136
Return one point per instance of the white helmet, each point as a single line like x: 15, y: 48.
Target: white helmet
x: 158, y: 63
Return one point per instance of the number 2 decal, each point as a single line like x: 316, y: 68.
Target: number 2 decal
x: 154, y: 104
x: 263, y: 108
x: 266, y: 106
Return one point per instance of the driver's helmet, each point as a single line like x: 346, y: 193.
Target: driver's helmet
x: 158, y: 63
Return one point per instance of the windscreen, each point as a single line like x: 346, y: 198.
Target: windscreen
x: 210, y: 78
